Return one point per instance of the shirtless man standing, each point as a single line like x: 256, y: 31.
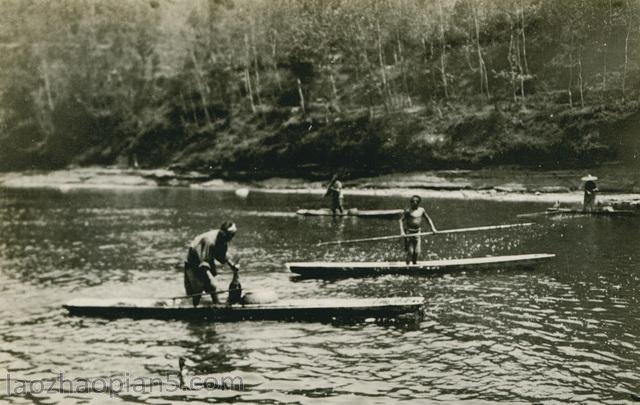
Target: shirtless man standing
x: 410, y: 223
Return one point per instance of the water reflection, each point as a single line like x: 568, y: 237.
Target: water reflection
x: 566, y: 331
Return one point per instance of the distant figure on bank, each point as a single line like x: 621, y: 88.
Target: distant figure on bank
x: 590, y: 190
x: 411, y: 223
x: 334, y: 191
x: 204, y: 250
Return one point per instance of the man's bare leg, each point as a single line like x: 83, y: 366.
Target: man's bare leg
x: 407, y: 251
x: 214, y: 294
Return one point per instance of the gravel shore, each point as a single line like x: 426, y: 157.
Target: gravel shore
x: 498, y: 185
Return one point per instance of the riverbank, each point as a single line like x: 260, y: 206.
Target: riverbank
x: 618, y: 186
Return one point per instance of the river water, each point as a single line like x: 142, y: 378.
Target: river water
x: 567, y: 331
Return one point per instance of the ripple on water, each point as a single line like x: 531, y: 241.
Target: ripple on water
x: 565, y: 332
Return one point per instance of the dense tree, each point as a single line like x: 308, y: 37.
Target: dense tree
x: 97, y: 81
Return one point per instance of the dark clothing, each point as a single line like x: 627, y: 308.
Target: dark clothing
x: 337, y: 203
x: 204, y: 250
x: 590, y: 190
x: 235, y: 290
x: 197, y: 281
x: 337, y: 199
x: 193, y: 260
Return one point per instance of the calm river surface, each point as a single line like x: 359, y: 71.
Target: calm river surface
x: 567, y: 331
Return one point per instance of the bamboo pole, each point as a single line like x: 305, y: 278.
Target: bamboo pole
x: 447, y: 231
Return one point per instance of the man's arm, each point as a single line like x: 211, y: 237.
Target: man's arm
x: 330, y: 187
x: 433, y: 227
x: 234, y: 266
x: 401, y: 224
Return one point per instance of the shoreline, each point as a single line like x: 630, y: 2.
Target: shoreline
x: 488, y: 185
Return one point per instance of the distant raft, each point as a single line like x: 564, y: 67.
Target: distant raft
x: 310, y: 310
x: 353, y: 212
x: 603, y: 212
x: 370, y: 269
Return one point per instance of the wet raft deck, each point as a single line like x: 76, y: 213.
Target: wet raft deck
x: 368, y: 269
x: 325, y: 309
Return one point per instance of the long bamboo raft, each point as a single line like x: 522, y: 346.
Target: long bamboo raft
x: 317, y: 310
x: 353, y: 212
x: 613, y: 213
x: 369, y: 269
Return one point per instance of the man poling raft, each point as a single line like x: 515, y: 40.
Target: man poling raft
x: 590, y: 190
x: 334, y: 192
x: 589, y: 207
x: 203, y: 252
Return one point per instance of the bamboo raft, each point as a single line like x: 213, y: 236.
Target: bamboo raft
x: 315, y: 310
x: 370, y: 269
x: 575, y: 212
x: 353, y: 212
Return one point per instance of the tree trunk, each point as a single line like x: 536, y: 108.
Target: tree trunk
x: 47, y: 84
x: 571, y: 47
x: 626, y: 62
x: 183, y: 105
x: 247, y: 83
x: 605, y: 47
x: 580, y: 81
x: 512, y: 73
x: 334, y: 91
x: 247, y: 73
x: 403, y: 70
x: 383, y: 74
x: 570, y: 76
x: 275, y: 61
x: 194, y: 111
x: 427, y: 58
x: 524, y: 39
x: 202, y: 90
x: 467, y: 56
x: 521, y: 72
x: 521, y: 83
x: 443, y: 51
x: 367, y: 67
x: 301, y: 95
x: 255, y: 67
x: 424, y: 48
x: 484, y: 81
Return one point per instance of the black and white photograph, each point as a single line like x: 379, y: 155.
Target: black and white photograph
x: 319, y: 201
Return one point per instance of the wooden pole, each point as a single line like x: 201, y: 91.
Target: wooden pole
x: 478, y: 228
